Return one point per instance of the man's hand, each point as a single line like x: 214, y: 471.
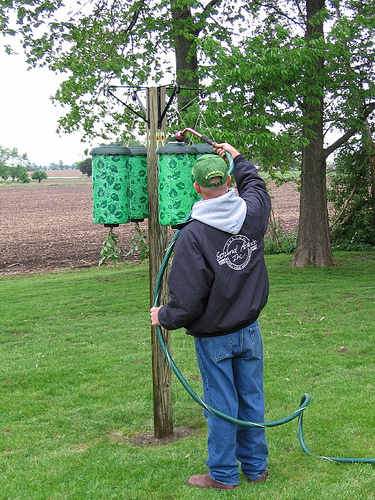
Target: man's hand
x: 224, y: 146
x: 154, y: 314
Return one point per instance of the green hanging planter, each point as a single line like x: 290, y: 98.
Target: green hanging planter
x: 176, y: 190
x: 110, y: 175
x: 138, y: 183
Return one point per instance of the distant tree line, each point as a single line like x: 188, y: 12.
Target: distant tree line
x: 14, y: 165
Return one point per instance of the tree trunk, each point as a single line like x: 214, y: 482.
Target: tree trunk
x: 313, y: 242
x: 185, y: 50
x: 370, y: 148
x: 372, y: 167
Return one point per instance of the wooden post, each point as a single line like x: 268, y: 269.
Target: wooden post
x: 158, y: 242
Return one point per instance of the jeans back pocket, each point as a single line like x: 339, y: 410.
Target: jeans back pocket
x: 218, y: 348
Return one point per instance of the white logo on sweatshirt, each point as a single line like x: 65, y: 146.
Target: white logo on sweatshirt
x: 237, y: 252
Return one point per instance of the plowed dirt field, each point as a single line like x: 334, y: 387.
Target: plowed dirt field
x: 48, y: 225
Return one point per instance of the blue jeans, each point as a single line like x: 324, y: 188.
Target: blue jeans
x: 232, y: 373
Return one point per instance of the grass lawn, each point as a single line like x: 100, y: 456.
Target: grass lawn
x: 76, y: 411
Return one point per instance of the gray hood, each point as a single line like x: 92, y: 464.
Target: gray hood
x: 226, y: 212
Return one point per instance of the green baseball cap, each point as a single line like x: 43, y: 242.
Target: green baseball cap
x: 208, y: 166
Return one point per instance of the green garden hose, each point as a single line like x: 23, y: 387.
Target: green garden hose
x: 298, y: 413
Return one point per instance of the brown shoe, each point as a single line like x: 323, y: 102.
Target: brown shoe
x: 204, y: 481
x: 260, y: 479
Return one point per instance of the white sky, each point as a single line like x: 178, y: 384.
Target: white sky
x: 28, y: 119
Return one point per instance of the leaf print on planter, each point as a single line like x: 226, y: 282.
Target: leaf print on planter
x: 111, y: 185
x: 176, y: 191
x: 138, y: 183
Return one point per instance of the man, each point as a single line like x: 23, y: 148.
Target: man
x: 218, y: 285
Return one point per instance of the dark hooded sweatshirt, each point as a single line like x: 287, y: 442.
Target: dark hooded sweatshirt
x: 218, y: 282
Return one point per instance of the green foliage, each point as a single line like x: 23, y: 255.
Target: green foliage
x: 13, y: 164
x: 12, y: 173
x: 12, y: 158
x: 85, y: 167
x: 277, y: 240
x: 24, y: 177
x: 18, y: 173
x: 353, y: 226
x: 110, y: 250
x: 4, y: 171
x: 76, y: 389
x: 265, y: 84
x: 257, y: 87
x: 138, y: 243
x: 39, y: 175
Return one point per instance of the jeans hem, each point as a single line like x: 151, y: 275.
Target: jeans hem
x: 254, y: 478
x: 222, y: 482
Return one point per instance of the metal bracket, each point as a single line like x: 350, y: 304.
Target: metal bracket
x: 128, y: 107
x: 161, y: 114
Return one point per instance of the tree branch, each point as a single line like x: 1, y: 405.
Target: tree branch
x: 135, y: 16
x: 210, y: 5
x: 353, y: 130
x: 342, y: 211
x: 270, y: 5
